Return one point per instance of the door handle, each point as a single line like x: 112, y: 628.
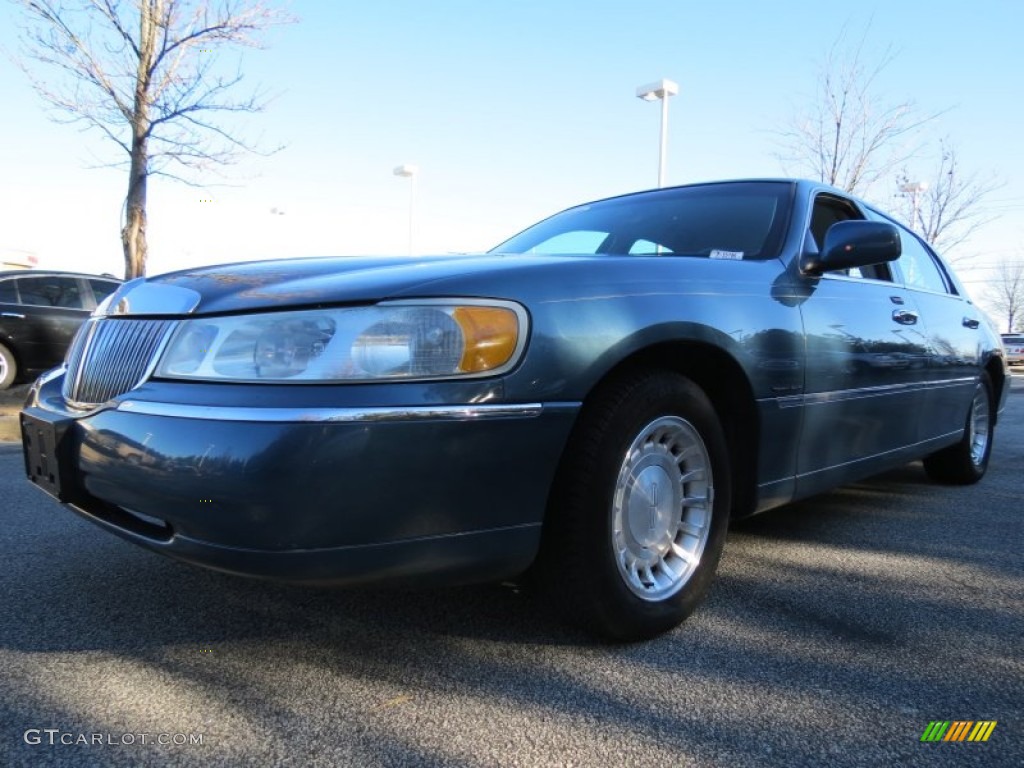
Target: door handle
x: 904, y: 316
x: 15, y: 315
x: 970, y: 322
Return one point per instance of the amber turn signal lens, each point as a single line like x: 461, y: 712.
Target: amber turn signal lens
x: 491, y: 335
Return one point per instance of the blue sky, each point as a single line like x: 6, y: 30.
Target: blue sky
x: 512, y: 111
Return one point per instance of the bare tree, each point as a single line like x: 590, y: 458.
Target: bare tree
x: 146, y: 74
x: 849, y: 136
x: 1005, y: 293
x: 950, y: 206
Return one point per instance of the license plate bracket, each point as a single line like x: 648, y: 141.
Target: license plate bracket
x: 45, y: 447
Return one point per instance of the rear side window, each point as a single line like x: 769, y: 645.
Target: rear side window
x: 8, y: 292
x: 102, y: 288
x: 918, y: 266
x: 51, y: 291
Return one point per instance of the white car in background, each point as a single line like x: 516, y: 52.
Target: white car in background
x: 1014, y: 345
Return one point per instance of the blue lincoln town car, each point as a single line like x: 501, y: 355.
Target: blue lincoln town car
x: 589, y: 404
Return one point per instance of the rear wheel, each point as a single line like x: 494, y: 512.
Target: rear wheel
x: 8, y: 367
x: 639, y: 513
x: 966, y: 462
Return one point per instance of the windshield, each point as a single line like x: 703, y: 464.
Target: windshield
x: 733, y: 220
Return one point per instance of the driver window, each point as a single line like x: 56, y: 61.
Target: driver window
x: 829, y: 210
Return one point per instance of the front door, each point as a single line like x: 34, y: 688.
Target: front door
x: 866, y: 363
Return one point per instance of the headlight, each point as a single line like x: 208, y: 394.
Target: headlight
x: 400, y: 341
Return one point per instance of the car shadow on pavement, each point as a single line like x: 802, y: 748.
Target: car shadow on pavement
x: 824, y: 640
x: 902, y: 513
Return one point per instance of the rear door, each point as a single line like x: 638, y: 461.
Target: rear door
x: 954, y: 331
x: 50, y: 309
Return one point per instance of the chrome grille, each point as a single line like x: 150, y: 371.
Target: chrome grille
x: 110, y: 356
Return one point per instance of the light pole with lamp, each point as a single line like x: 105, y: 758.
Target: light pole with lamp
x: 409, y: 172
x: 652, y: 92
x: 914, y: 189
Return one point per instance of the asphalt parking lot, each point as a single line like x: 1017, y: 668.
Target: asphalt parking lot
x: 838, y: 629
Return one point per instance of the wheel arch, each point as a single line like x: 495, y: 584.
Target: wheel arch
x: 996, y: 371
x: 6, y: 341
x: 726, y: 384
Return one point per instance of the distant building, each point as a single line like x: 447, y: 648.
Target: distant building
x: 12, y: 258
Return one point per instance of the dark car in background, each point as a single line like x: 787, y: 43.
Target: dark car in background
x: 39, y: 314
x: 590, y: 403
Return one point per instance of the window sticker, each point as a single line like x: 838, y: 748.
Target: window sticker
x: 732, y: 255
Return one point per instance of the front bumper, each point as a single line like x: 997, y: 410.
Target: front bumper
x: 324, y: 495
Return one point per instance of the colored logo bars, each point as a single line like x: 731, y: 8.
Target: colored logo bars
x: 958, y: 730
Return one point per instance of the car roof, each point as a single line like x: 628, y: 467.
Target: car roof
x: 52, y: 273
x: 708, y: 183
x: 803, y: 186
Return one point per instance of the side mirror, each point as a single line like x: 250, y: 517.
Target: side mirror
x: 854, y: 244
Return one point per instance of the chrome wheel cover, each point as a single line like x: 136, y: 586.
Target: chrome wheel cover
x: 661, y: 510
x: 978, y: 426
x: 3, y: 367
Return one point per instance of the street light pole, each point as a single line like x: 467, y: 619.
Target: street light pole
x: 914, y: 189
x: 653, y: 92
x: 409, y: 172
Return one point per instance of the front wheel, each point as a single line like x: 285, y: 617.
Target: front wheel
x: 967, y: 461
x: 638, y: 516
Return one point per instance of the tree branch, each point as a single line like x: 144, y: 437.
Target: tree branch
x: 146, y: 74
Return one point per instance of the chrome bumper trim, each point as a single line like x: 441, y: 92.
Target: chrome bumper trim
x: 336, y: 415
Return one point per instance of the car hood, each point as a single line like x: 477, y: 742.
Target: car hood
x: 321, y: 282
x: 305, y: 282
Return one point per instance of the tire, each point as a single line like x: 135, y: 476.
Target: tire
x: 966, y: 462
x: 639, y: 510
x: 8, y: 367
